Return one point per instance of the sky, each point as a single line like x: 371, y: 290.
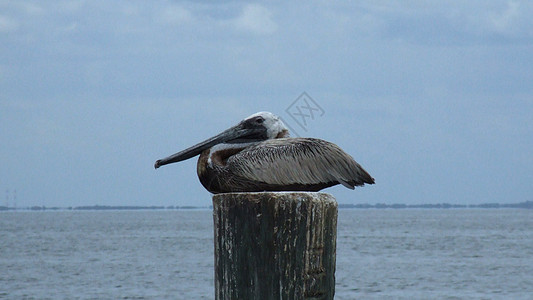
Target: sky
x: 434, y: 99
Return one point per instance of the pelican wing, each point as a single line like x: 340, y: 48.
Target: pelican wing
x: 298, y: 161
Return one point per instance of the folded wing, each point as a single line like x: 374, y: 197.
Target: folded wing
x: 298, y: 162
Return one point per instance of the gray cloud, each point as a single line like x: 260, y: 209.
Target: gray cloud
x: 432, y: 98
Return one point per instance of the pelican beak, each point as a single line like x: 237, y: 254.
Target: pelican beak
x: 235, y: 134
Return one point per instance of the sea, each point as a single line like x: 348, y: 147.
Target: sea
x: 168, y: 254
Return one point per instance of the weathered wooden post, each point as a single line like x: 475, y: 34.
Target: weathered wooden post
x: 275, y: 245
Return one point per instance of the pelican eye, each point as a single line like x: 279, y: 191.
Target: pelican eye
x: 259, y: 120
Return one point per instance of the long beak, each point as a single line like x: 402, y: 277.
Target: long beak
x: 232, y: 133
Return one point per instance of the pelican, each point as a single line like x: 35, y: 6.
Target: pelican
x: 258, y: 155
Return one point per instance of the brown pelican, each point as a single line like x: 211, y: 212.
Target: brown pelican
x: 258, y: 155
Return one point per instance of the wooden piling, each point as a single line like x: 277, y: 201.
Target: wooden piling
x: 275, y: 245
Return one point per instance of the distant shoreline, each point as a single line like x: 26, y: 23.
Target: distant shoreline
x: 520, y: 205
x: 523, y: 205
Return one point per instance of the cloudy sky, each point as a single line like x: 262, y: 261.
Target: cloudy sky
x: 434, y: 99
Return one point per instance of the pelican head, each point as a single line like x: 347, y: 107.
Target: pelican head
x: 258, y: 127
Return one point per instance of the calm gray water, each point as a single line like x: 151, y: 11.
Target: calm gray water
x: 381, y: 254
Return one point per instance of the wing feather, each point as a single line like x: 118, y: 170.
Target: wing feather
x: 297, y: 161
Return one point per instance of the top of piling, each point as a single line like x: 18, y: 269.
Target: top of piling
x: 275, y: 197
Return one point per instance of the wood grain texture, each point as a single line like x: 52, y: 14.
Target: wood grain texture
x: 275, y: 245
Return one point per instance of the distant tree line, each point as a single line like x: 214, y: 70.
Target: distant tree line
x: 526, y: 205
x: 105, y: 207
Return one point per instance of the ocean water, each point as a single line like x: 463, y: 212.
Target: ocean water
x: 381, y: 254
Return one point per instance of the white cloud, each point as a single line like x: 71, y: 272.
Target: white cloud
x: 256, y: 19
x: 7, y: 24
x: 389, y: 72
x: 513, y: 20
x: 175, y: 15
x: 501, y: 21
x: 507, y: 19
x: 447, y: 23
x: 33, y: 9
